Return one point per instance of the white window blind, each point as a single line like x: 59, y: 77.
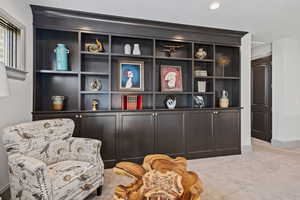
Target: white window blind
x: 9, y: 43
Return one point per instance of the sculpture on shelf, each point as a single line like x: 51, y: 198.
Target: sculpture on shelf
x: 95, y: 48
x: 171, y: 102
x: 199, y: 102
x: 200, y: 54
x: 223, y: 61
x: 160, y: 177
x: 95, y: 85
x: 61, y: 53
x: 136, y: 50
x: 95, y: 103
x: 58, y: 103
x: 127, y: 49
x: 171, y: 49
x: 224, y: 100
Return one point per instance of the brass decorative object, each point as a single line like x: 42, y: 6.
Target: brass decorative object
x: 95, y: 48
x: 223, y: 61
x: 95, y: 103
x: 171, y: 49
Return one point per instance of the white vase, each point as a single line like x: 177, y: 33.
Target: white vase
x: 136, y: 50
x: 127, y: 49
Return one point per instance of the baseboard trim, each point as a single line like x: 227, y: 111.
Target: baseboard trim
x: 246, y: 149
x: 286, y: 144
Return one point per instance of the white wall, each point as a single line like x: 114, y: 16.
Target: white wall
x: 261, y: 51
x: 246, y: 93
x: 18, y: 106
x: 286, y: 93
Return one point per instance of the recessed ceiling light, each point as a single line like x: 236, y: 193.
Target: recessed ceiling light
x: 214, y: 5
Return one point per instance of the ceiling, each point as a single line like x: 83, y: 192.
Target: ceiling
x: 267, y: 20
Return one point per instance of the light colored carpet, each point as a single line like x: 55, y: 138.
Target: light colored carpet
x: 264, y: 174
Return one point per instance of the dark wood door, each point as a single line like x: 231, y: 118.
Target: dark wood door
x: 73, y: 116
x: 226, y: 130
x: 102, y: 127
x: 261, y: 107
x: 199, y: 135
x: 170, y: 133
x: 136, y: 136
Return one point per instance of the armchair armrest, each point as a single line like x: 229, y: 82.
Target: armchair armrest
x: 30, y: 175
x: 88, y: 150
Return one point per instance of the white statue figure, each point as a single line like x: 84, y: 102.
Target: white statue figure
x: 171, y: 78
x: 129, y: 81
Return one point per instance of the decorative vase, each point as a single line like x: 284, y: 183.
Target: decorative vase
x: 199, y: 102
x: 136, y: 50
x: 61, y: 53
x: 58, y: 103
x: 171, y: 102
x: 200, y: 54
x: 127, y: 49
x: 224, y: 101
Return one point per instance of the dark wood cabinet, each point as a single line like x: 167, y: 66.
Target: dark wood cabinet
x: 226, y: 131
x: 102, y: 127
x: 199, y: 136
x: 136, y: 136
x: 170, y: 133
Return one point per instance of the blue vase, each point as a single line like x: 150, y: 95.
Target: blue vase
x: 61, y: 53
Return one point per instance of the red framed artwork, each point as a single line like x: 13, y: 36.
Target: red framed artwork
x: 171, y: 78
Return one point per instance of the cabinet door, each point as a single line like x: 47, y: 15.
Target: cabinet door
x: 136, y: 136
x: 104, y: 128
x: 200, y: 141
x: 73, y: 116
x: 227, y: 131
x: 170, y: 133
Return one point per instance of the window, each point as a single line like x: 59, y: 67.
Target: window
x: 8, y: 43
x: 12, y: 45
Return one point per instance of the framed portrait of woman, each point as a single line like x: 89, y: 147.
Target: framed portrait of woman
x: 131, y: 76
x: 171, y: 78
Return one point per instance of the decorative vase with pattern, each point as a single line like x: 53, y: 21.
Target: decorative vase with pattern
x: 61, y: 53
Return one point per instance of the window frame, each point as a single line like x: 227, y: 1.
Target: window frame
x: 19, y: 72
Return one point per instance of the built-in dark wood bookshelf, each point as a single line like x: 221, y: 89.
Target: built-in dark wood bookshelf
x: 131, y: 135
x: 85, y: 66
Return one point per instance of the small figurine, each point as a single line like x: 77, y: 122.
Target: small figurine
x: 127, y: 49
x: 199, y: 102
x: 171, y: 49
x: 200, y: 54
x: 95, y: 85
x: 224, y: 101
x: 95, y: 103
x: 58, y: 103
x: 171, y: 102
x: 136, y: 50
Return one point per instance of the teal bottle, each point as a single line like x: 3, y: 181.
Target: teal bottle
x: 61, y: 53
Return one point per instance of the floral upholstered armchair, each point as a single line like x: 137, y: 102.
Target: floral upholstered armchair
x: 47, y: 163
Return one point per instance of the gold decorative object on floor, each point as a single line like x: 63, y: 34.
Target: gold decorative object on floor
x: 160, y: 178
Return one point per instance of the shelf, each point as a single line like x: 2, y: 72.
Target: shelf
x: 203, y: 77
x: 131, y: 92
x: 222, y: 77
x: 56, y: 72
x: 131, y: 56
x: 95, y: 73
x: 203, y: 93
x: 203, y: 60
x: 94, y: 92
x: 95, y: 54
x: 177, y: 93
x: 174, y: 58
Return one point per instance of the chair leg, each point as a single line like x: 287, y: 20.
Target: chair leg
x: 99, y: 190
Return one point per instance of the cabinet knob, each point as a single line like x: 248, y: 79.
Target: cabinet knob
x: 80, y: 116
x: 153, y: 114
x: 76, y: 116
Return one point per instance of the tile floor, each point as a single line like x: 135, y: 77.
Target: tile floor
x: 266, y: 173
